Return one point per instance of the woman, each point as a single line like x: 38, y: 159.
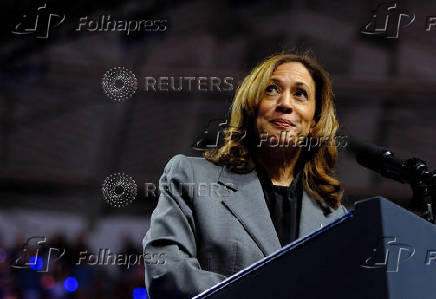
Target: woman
x: 264, y: 188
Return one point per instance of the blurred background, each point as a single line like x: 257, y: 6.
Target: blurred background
x: 61, y: 136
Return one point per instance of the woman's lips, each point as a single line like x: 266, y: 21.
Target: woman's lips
x: 282, y: 123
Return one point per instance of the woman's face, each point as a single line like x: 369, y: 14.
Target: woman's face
x: 286, y: 111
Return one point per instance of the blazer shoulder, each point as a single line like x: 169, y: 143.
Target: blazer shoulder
x: 192, y: 166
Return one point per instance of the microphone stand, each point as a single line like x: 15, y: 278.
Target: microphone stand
x: 423, y: 183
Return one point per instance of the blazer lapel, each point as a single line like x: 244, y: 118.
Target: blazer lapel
x: 247, y: 203
x: 312, y: 216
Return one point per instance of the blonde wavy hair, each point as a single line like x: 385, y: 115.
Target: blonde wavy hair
x: 318, y: 164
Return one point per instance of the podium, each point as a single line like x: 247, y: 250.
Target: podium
x: 379, y: 250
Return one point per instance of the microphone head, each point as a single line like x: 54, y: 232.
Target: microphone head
x: 368, y: 155
x: 380, y: 160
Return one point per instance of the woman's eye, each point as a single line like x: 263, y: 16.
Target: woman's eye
x: 272, y: 89
x: 301, y: 93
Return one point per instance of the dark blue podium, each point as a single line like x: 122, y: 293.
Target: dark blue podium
x: 379, y: 250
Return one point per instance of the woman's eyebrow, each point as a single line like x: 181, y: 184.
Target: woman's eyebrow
x: 300, y: 83
x: 278, y: 81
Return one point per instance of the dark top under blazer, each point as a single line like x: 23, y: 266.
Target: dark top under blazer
x: 199, y: 236
x: 284, y: 205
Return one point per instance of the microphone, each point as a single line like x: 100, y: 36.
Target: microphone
x: 413, y: 171
x: 382, y: 161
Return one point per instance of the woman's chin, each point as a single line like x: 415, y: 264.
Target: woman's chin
x: 280, y: 142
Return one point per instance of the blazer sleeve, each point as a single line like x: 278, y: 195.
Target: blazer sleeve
x: 170, y: 252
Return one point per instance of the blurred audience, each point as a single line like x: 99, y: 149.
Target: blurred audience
x: 50, y: 270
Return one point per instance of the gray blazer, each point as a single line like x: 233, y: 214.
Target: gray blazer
x: 210, y: 223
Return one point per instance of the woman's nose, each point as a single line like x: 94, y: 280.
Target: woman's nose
x: 284, y: 104
x: 284, y: 109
